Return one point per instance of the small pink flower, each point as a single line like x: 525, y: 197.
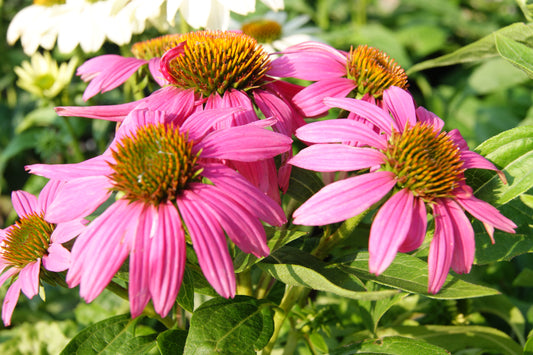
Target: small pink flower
x: 414, y: 165
x: 33, y: 242
x: 363, y: 73
x: 168, y: 179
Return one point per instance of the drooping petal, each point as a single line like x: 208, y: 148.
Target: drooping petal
x: 115, y: 113
x: 311, y: 99
x: 343, y: 199
x: 472, y: 160
x: 417, y: 232
x: 244, y: 143
x: 209, y: 243
x: 262, y: 174
x: 430, y: 118
x: 441, y: 248
x: 65, y: 231
x: 154, y: 68
x: 200, y: 123
x: 78, y: 198
x: 24, y: 203
x: 336, y: 157
x: 58, y: 258
x: 245, y: 193
x: 10, y: 301
x: 97, y: 166
x: 167, y: 258
x: 234, y: 99
x: 465, y: 245
x: 172, y: 100
x: 340, y: 130
x: 401, y: 105
x: 389, y: 230
x: 29, y: 278
x: 371, y: 112
x: 272, y: 105
x: 48, y: 194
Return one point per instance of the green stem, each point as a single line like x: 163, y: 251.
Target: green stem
x: 244, y: 283
x: 292, y: 342
x: 360, y: 12
x: 263, y: 286
x: 78, y: 155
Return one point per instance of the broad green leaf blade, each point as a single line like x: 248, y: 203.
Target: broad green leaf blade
x: 396, y: 345
x: 171, y: 342
x: 502, y: 307
x: 516, y: 53
x: 241, y: 325
x: 303, y: 184
x: 527, y: 9
x: 115, y: 335
x: 297, y: 268
x: 186, y: 295
x: 481, y: 49
x: 524, y: 278
x: 408, y: 273
x: 457, y: 338
x: 512, y: 152
x: 528, y: 348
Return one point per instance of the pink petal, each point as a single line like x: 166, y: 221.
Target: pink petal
x: 139, y: 268
x: 389, y: 230
x: 12, y: 271
x: 172, y: 100
x: 167, y: 258
x: 10, y: 301
x: 340, y: 130
x: 262, y: 174
x: 209, y: 243
x: 458, y: 139
x: 97, y: 166
x: 236, y: 98
x: 309, y: 61
x: 200, y: 123
x: 344, y: 199
x: 29, y: 278
x: 78, y: 198
x: 311, y: 99
x: 154, y: 67
x: 164, y: 64
x: 115, y: 113
x: 244, y: 143
x: 401, y: 105
x: 271, y: 105
x: 417, y: 233
x: 58, y: 258
x: 24, y: 203
x: 465, y: 246
x: 245, y: 193
x: 429, y: 117
x: 472, y: 160
x: 47, y: 194
x: 337, y: 157
x: 441, y: 249
x: 369, y: 111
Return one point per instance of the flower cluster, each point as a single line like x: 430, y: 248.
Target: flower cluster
x: 208, y: 154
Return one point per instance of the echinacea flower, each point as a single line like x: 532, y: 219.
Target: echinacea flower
x: 211, y: 69
x: 164, y: 174
x: 42, y: 76
x: 363, y: 73
x: 274, y: 32
x: 414, y: 166
x: 32, y: 246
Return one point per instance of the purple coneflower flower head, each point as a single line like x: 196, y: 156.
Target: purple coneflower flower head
x: 364, y: 73
x: 32, y: 246
x: 167, y: 179
x: 415, y: 166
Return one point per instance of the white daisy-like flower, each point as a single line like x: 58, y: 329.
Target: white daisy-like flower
x: 274, y: 32
x: 43, y: 77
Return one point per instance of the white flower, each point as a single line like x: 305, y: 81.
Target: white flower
x: 72, y: 22
x: 274, y: 32
x: 213, y: 14
x: 43, y: 77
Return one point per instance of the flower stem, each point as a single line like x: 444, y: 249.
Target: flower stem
x: 78, y: 155
x: 244, y: 283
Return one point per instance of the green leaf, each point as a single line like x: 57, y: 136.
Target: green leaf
x: 501, y: 306
x: 526, y: 8
x: 528, y: 348
x: 186, y: 295
x: 516, y: 53
x: 40, y: 117
x: 458, y: 338
x: 481, y: 49
x: 297, y: 268
x: 394, y: 345
x: 512, y: 152
x: 524, y: 278
x: 171, y: 342
x: 241, y: 325
x: 303, y: 184
x: 492, y: 76
x: 408, y: 273
x: 115, y: 335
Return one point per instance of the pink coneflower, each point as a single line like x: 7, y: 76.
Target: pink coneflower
x: 363, y: 73
x: 164, y: 174
x: 414, y: 165
x: 33, y: 242
x: 207, y: 69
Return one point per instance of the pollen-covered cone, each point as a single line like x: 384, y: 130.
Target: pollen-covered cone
x: 168, y: 180
x: 414, y: 166
x: 33, y: 243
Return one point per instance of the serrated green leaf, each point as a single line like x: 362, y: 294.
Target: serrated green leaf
x: 171, y: 342
x: 297, y: 268
x: 115, y: 335
x: 410, y: 274
x: 516, y: 53
x: 303, y: 184
x: 393, y: 345
x: 186, y: 295
x: 512, y: 152
x: 481, y: 49
x: 241, y: 325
